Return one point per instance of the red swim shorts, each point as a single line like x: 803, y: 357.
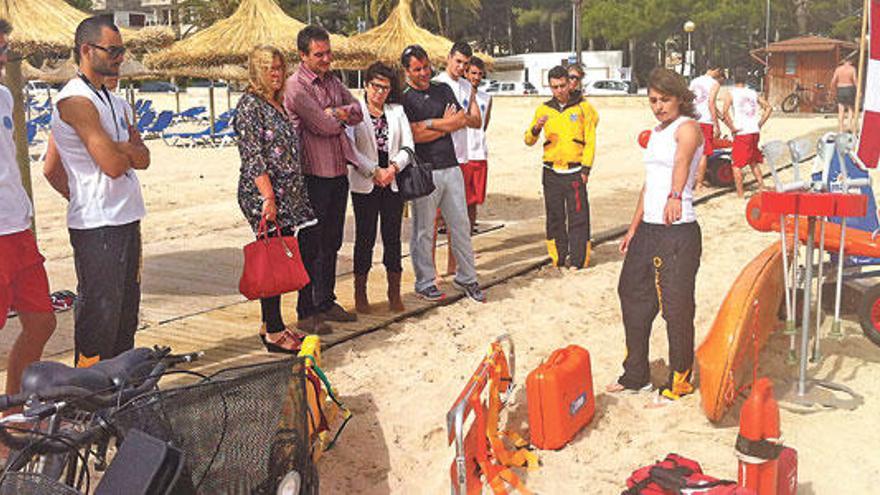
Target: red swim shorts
x: 24, y: 285
x: 745, y: 150
x: 475, y: 173
x: 708, y: 138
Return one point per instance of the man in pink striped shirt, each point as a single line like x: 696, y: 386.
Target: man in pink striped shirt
x: 320, y: 107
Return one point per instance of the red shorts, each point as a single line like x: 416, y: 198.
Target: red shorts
x: 708, y: 138
x: 475, y: 172
x: 745, y: 150
x: 24, y: 285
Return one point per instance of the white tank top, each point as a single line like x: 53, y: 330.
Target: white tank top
x: 462, y: 91
x: 659, y: 158
x: 15, y: 206
x: 746, y: 112
x: 96, y: 199
x: 476, y: 138
x: 702, y: 88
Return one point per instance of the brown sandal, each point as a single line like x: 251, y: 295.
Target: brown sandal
x: 289, y: 341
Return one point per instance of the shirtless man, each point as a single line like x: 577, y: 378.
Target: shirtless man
x: 844, y: 83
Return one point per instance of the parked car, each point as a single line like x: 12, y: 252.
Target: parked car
x: 512, y: 88
x: 158, y: 87
x: 606, y: 87
x: 205, y: 83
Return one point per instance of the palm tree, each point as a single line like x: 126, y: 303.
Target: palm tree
x: 435, y: 7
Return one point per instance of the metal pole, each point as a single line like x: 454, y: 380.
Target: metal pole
x: 309, y: 10
x: 835, y: 325
x: 211, y: 104
x: 820, y: 282
x: 766, y: 50
x: 805, y: 314
x: 792, y: 332
x: 866, y: 12
x: 578, y: 41
x: 789, y: 311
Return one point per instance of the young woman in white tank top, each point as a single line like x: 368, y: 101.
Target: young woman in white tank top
x: 663, y: 244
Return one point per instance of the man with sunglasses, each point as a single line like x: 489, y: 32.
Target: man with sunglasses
x: 320, y: 107
x: 576, y: 78
x: 24, y: 286
x: 568, y: 122
x: 100, y: 151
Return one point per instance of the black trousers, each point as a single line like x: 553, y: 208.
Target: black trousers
x: 658, y: 275
x: 380, y: 205
x: 108, y: 264
x: 270, y: 307
x: 568, y: 217
x: 329, y: 198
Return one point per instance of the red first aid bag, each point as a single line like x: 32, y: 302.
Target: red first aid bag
x: 787, y: 469
x: 675, y: 475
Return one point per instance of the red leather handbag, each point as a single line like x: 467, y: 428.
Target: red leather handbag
x: 272, y: 265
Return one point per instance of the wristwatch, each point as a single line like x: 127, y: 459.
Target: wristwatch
x: 429, y: 124
x: 674, y: 195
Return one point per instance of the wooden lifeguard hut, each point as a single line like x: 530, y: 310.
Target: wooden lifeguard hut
x: 805, y: 60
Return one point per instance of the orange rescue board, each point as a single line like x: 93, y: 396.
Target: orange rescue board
x: 723, y: 356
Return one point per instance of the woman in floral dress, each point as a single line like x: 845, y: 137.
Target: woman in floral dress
x: 271, y: 185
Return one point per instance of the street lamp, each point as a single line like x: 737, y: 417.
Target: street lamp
x: 689, y: 28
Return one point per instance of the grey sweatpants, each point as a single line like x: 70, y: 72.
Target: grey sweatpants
x: 107, y: 262
x: 449, y: 196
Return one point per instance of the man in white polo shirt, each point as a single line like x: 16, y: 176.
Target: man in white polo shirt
x: 100, y: 151
x: 24, y: 286
x: 455, y: 76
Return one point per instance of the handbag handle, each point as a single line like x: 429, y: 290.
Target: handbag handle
x: 413, y: 157
x: 263, y: 234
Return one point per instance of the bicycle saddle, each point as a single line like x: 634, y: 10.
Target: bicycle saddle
x: 125, y: 368
x: 43, y: 375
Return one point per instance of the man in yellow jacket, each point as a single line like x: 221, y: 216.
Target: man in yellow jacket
x: 569, y: 126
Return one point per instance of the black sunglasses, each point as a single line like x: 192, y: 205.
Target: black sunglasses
x: 113, y: 51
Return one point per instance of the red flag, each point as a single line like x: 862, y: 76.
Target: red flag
x: 869, y: 138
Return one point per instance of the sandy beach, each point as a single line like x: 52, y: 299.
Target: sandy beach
x: 400, y: 381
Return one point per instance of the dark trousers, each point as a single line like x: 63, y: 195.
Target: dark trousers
x: 107, y: 262
x: 568, y: 217
x: 658, y: 275
x: 385, y: 205
x: 329, y: 198
x: 270, y: 307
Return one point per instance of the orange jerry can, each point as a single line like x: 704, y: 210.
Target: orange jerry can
x: 560, y: 397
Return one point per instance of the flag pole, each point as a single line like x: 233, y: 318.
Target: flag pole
x: 866, y: 12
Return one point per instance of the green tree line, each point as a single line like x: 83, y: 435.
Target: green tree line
x: 646, y: 30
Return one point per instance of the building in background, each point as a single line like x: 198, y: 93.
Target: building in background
x: 126, y: 13
x: 533, y: 67
x: 807, y: 61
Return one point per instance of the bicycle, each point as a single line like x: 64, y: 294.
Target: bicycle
x: 239, y: 430
x: 817, y: 99
x: 68, y: 411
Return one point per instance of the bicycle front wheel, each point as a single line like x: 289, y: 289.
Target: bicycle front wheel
x: 790, y: 103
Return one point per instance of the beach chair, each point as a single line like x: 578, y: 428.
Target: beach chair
x: 146, y: 119
x: 163, y: 122
x: 138, y: 104
x: 42, y: 120
x: 199, y: 138
x: 146, y: 107
x: 31, y: 133
x: 190, y: 114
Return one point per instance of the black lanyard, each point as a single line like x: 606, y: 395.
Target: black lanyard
x: 109, y: 101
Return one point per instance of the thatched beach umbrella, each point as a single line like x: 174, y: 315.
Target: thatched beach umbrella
x: 228, y: 73
x: 386, y: 41
x: 230, y: 40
